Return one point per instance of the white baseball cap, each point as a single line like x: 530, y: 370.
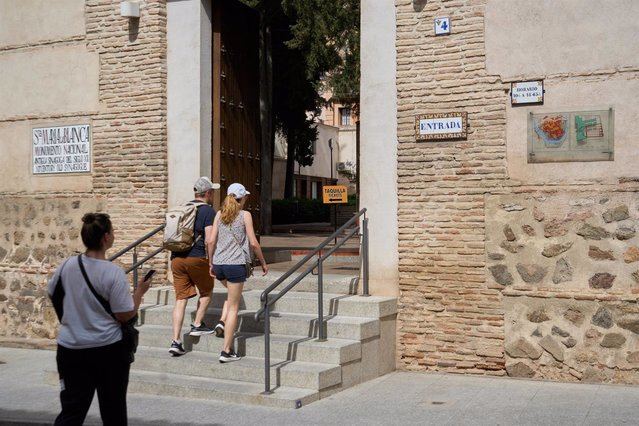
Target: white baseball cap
x: 237, y: 190
x: 204, y: 184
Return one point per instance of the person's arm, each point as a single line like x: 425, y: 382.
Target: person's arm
x: 121, y: 298
x: 255, y: 245
x: 211, y: 240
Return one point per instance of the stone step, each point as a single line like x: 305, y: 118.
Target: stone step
x: 333, y: 283
x: 249, y: 369
x: 181, y: 386
x: 340, y: 327
x: 304, y: 302
x: 297, y: 348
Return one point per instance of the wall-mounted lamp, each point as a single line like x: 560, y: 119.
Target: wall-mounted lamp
x: 130, y: 9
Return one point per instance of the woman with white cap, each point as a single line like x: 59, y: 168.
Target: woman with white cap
x: 233, y: 239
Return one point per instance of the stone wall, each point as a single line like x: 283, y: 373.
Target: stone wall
x: 471, y: 238
x: 41, y: 214
x: 568, y: 264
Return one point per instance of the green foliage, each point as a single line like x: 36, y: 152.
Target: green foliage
x: 314, y: 47
x: 300, y: 210
x: 328, y: 32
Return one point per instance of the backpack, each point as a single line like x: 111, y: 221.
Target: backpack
x: 179, y: 232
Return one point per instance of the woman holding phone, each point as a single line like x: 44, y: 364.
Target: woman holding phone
x: 233, y: 239
x: 92, y: 298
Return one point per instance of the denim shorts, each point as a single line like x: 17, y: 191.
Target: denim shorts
x: 231, y: 273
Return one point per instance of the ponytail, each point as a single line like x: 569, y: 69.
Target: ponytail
x: 230, y: 209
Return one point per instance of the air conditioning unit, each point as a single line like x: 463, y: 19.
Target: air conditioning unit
x: 341, y: 166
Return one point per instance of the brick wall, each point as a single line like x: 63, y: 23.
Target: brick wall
x: 451, y: 315
x: 129, y: 177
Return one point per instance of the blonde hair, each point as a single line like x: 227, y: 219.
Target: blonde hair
x: 230, y: 209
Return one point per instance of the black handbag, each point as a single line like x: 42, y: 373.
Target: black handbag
x: 130, y: 335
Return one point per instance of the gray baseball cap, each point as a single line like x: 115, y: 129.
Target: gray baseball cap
x: 204, y: 184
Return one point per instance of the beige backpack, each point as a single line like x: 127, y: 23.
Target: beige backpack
x: 179, y: 232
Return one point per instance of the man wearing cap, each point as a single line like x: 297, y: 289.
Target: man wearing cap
x: 191, y: 268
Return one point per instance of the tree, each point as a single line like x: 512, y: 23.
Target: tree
x: 313, y: 45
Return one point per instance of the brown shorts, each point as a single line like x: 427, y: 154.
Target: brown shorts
x: 189, y: 273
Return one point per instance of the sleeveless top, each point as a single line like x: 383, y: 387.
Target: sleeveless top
x: 232, y: 246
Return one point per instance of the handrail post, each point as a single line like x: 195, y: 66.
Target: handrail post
x: 135, y: 271
x: 365, y: 256
x: 267, y: 350
x: 320, y: 301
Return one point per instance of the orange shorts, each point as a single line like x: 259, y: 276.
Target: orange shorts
x: 189, y: 273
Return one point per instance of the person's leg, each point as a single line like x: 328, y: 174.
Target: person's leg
x: 233, y: 299
x: 77, y: 386
x: 178, y: 318
x: 199, y: 274
x: 112, y: 384
x: 184, y: 289
x: 225, y: 309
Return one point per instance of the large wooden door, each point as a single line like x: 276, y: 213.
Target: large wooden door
x: 236, y: 109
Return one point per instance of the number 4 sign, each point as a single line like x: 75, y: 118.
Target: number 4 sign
x: 442, y: 26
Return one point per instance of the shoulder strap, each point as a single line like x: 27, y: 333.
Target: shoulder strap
x: 100, y: 299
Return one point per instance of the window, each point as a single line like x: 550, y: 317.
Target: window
x: 314, y: 190
x: 345, y: 116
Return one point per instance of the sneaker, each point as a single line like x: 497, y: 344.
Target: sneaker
x: 176, y: 348
x: 219, y: 329
x: 229, y: 357
x: 200, y: 330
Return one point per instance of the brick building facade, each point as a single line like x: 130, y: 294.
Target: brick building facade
x: 505, y: 267
x: 119, y: 88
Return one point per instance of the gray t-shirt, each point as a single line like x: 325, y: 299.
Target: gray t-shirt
x: 85, y: 323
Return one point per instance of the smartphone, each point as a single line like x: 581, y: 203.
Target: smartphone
x: 149, y: 274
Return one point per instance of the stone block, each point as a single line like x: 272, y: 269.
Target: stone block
x: 520, y: 369
x: 555, y: 228
x: 553, y: 250
x: 631, y: 255
x: 596, y: 253
x: 616, y: 214
x: 601, y: 280
x: 522, y: 348
x: 551, y: 346
x: 613, y: 340
x: 590, y: 232
x: 602, y: 318
x: 501, y: 274
x: 575, y: 316
x: 537, y: 316
x: 563, y: 271
x: 531, y: 273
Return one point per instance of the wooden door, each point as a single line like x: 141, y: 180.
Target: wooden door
x: 236, y: 109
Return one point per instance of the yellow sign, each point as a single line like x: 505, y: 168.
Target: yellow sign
x: 336, y: 194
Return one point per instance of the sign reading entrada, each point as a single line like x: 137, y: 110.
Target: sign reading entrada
x: 63, y: 149
x: 441, y: 126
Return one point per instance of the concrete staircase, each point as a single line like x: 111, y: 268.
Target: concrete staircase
x: 360, y: 345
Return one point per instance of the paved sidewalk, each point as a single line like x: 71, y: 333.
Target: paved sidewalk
x: 398, y: 398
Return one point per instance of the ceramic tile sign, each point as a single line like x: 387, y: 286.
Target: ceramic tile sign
x: 441, y: 126
x: 527, y: 92
x: 442, y: 26
x: 571, y: 136
x: 61, y: 149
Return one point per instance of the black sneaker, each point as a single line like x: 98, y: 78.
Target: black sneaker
x: 219, y: 329
x: 229, y: 357
x: 200, y: 330
x: 176, y: 348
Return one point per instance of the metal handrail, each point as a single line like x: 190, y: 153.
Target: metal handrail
x: 268, y: 302
x: 134, y: 246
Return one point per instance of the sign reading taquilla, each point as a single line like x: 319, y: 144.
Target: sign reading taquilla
x: 441, y: 126
x: 62, y: 149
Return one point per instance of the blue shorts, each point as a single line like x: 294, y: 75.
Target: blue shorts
x: 231, y: 273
